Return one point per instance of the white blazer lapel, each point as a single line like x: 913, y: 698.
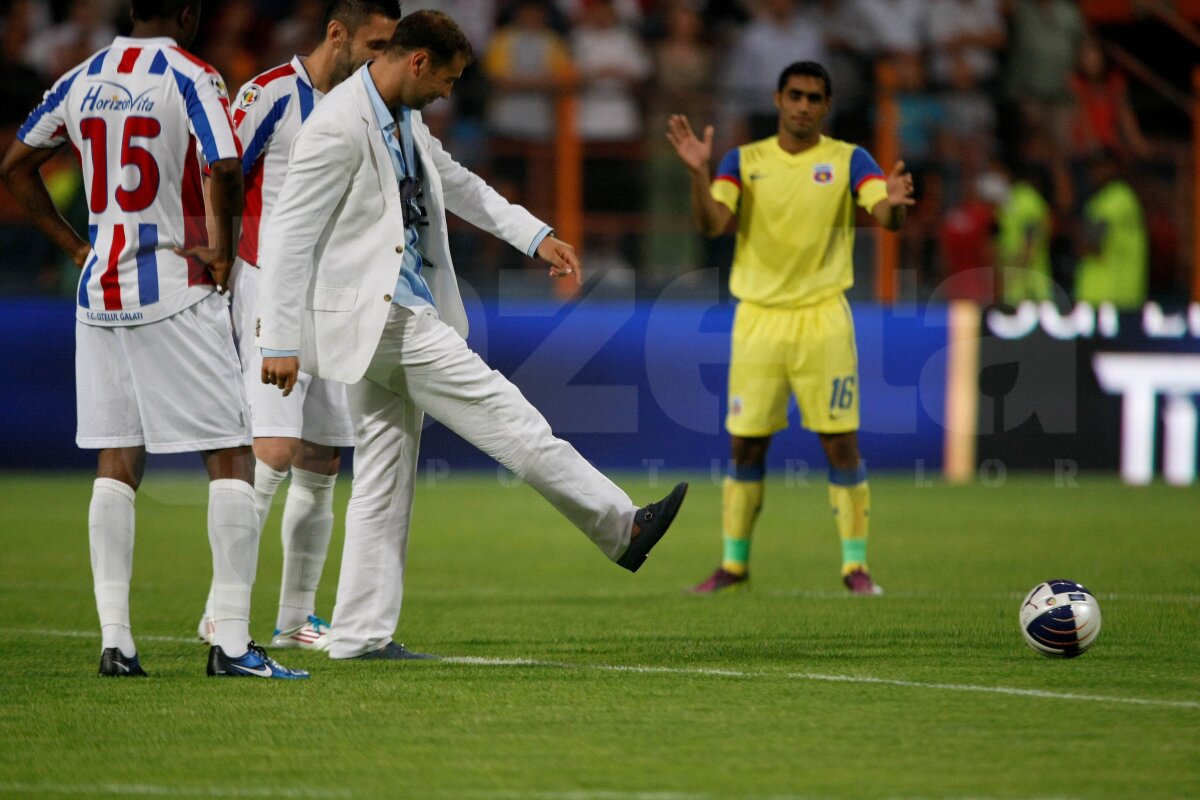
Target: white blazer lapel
x: 377, y: 148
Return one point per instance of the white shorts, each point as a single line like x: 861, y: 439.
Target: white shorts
x: 316, y: 410
x: 172, y: 386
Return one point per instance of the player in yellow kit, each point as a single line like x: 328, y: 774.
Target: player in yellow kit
x: 793, y: 196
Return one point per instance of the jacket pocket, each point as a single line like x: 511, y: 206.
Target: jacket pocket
x: 333, y: 298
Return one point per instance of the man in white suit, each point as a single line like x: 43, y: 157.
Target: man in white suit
x: 359, y: 287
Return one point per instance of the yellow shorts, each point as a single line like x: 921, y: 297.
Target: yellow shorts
x: 779, y: 352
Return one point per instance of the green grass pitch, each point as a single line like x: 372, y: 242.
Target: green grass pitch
x: 593, y: 684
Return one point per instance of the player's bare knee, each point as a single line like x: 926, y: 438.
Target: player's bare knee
x: 230, y: 463
x: 841, y: 449
x: 124, y: 464
x: 277, y: 452
x: 749, y: 452
x: 321, y: 459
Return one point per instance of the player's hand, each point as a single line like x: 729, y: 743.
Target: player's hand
x: 562, y: 257
x: 693, y: 152
x: 281, y: 372
x: 80, y: 256
x: 217, y: 262
x: 900, y: 187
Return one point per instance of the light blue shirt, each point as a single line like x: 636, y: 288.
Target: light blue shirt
x: 411, y: 290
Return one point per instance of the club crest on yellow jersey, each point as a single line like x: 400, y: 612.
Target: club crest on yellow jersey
x: 823, y: 173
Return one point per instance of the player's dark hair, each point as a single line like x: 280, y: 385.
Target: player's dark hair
x: 808, y: 69
x: 432, y: 31
x: 353, y: 13
x: 146, y: 10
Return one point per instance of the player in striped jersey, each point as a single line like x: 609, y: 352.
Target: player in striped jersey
x: 793, y: 196
x: 303, y: 431
x: 155, y: 365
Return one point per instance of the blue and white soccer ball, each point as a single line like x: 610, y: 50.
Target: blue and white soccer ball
x: 1060, y: 619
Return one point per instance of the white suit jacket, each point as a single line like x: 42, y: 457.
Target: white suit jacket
x: 332, y: 248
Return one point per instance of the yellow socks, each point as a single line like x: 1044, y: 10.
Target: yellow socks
x: 742, y: 500
x: 850, y: 499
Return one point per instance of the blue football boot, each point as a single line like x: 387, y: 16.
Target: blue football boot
x: 254, y: 664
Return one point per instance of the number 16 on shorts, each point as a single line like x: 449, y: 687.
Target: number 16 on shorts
x: 842, y: 396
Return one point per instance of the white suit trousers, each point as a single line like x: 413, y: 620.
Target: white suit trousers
x: 421, y: 365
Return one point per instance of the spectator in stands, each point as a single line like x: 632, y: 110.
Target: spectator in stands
x: 237, y: 41
x: 1045, y: 36
x: 851, y: 60
x: 56, y: 49
x: 683, y: 80
x: 528, y: 63
x: 965, y: 36
x: 612, y: 62
x: 477, y: 18
x: 24, y: 251
x: 300, y: 31
x: 967, y: 137
x: 1114, y: 263
x: 629, y: 12
x: 782, y: 31
x: 898, y: 31
x: 964, y: 240
x: 1024, y: 224
x: 1104, y: 117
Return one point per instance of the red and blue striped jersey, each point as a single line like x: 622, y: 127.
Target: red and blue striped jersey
x: 140, y: 115
x: 269, y: 112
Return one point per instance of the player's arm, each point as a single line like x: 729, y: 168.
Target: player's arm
x: 207, y: 109
x: 696, y: 154
x: 20, y: 171
x: 225, y: 200
x: 470, y: 198
x: 892, y: 209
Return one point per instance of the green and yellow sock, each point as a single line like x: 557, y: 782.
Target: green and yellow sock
x: 742, y: 496
x: 850, y: 499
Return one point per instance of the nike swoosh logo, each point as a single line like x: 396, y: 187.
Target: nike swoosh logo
x: 263, y: 672
x: 122, y: 667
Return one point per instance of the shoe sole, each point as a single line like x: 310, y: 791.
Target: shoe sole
x: 292, y: 644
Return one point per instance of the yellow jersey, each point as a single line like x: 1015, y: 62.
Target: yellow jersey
x: 795, y: 236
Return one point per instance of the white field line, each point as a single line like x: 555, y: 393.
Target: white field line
x: 809, y: 676
x: 720, y: 673
x: 510, y: 595
x: 149, y: 790
x: 96, y: 635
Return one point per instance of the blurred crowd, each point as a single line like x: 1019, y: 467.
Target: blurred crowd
x: 1035, y: 177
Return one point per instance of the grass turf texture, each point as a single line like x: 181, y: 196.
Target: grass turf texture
x: 495, y: 574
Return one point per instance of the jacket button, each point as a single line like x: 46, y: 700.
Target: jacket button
x: 387, y: 298
x: 399, y: 248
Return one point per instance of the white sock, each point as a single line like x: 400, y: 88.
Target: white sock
x: 307, y: 528
x: 266, y: 482
x: 110, y: 534
x: 233, y: 535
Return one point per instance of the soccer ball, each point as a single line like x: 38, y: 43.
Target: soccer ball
x: 1060, y: 619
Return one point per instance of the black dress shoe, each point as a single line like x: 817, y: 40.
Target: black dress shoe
x: 653, y: 520
x: 397, y: 652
